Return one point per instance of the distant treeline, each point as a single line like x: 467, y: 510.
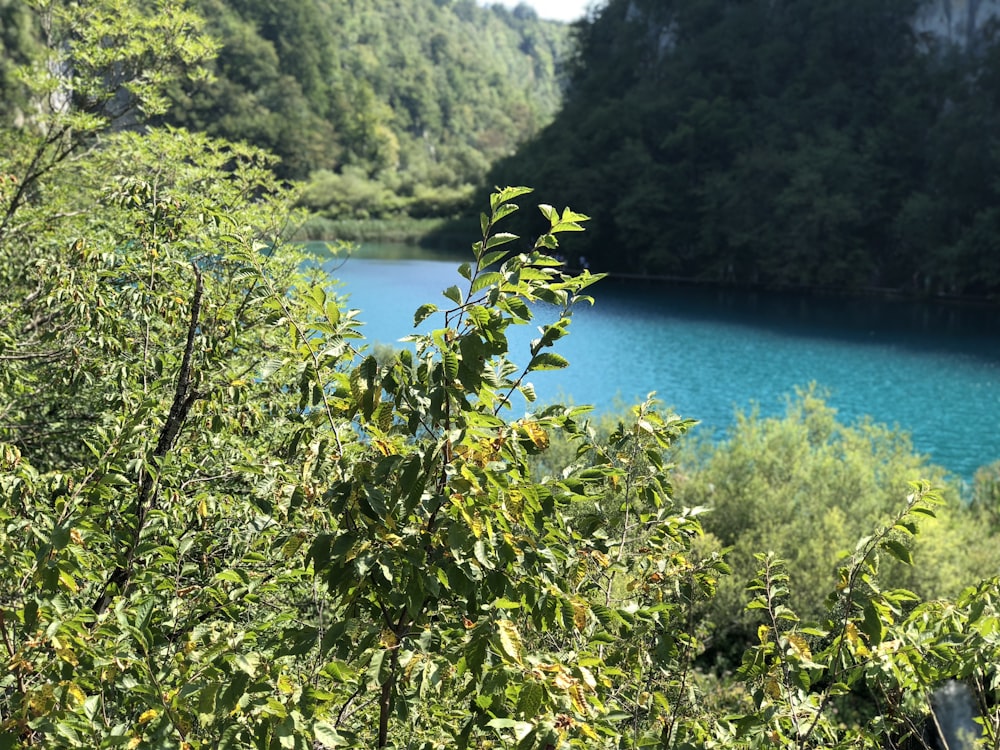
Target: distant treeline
x: 389, y: 107
x: 779, y: 142
x: 384, y: 107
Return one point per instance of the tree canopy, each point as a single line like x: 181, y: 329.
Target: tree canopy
x: 789, y: 143
x: 391, y: 106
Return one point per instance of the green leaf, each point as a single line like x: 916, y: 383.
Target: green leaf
x: 479, y: 550
x: 332, y: 312
x: 547, y: 361
x: 566, y: 227
x: 247, y: 663
x: 454, y: 294
x: 504, y: 603
x: 327, y: 735
x: 475, y: 652
x: 500, y: 238
x: 872, y: 625
x: 529, y: 702
x: 423, y: 312
x: 572, y: 216
x: 898, y: 550
x: 518, y: 308
x: 521, y: 728
x: 505, y: 210
x: 451, y: 363
x: 504, y: 195
x: 339, y: 671
x: 549, y: 213
x: 490, y: 258
x: 379, y: 668
x: 490, y: 278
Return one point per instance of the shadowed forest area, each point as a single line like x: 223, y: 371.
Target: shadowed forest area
x: 845, y: 145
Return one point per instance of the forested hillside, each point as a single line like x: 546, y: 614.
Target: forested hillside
x: 386, y: 107
x: 780, y: 143
x: 389, y: 106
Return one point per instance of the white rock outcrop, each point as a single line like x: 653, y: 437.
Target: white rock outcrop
x: 955, y: 21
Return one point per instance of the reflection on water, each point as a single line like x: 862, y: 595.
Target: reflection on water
x: 934, y: 370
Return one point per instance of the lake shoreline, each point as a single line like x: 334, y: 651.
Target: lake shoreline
x: 931, y: 368
x: 885, y: 293
x: 418, y: 232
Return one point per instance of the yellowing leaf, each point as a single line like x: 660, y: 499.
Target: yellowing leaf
x: 580, y: 572
x: 563, y: 681
x: 601, y: 558
x: 851, y: 631
x: 74, y: 692
x: 771, y: 688
x: 579, y: 698
x: 510, y: 640
x: 800, y: 646
x: 855, y: 640
x: 66, y: 654
x: 147, y: 716
x: 68, y: 581
x: 388, y: 639
x: 536, y: 434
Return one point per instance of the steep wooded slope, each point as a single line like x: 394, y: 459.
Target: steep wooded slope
x: 788, y: 142
x: 387, y: 107
x: 391, y: 105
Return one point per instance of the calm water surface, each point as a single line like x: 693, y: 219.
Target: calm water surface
x: 933, y: 370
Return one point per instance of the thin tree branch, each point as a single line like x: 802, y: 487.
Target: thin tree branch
x: 184, y: 398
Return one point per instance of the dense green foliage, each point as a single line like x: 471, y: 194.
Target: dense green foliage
x: 224, y: 523
x: 779, y: 143
x: 386, y: 108
x: 389, y: 107
x: 807, y: 487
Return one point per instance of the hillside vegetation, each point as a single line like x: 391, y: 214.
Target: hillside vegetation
x: 780, y: 143
x: 387, y: 107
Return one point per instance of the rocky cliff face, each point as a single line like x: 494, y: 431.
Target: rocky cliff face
x: 956, y: 21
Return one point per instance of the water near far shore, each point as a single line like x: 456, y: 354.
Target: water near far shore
x: 931, y: 369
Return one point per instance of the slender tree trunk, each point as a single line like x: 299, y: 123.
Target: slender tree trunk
x: 385, y: 700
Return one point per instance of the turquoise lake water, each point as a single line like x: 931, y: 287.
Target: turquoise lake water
x: 930, y: 369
